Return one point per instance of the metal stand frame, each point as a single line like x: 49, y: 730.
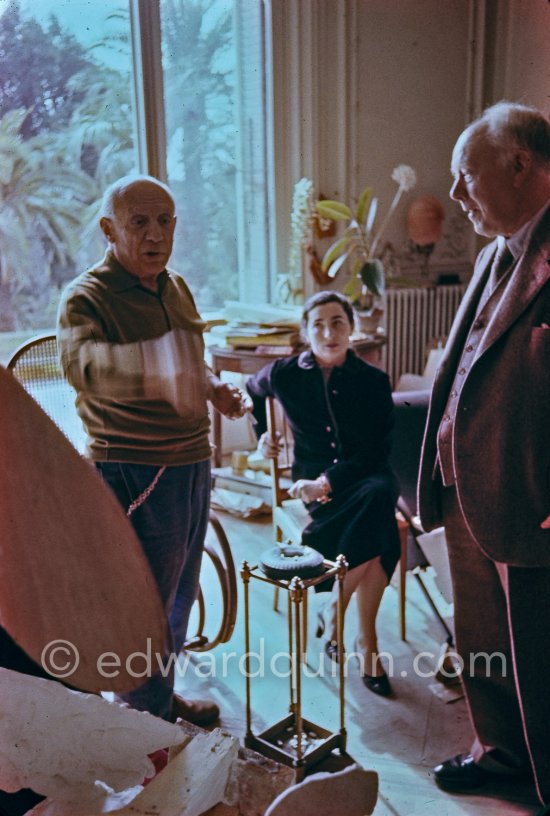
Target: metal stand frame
x: 293, y: 740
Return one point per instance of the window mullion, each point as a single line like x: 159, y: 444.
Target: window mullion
x: 148, y: 87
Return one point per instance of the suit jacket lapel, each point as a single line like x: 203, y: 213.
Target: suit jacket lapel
x: 465, y: 316
x: 527, y: 279
x: 530, y: 275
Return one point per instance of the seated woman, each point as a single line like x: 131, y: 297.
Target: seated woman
x: 340, y: 411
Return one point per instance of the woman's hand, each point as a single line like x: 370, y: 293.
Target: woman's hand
x: 309, y: 490
x: 269, y: 446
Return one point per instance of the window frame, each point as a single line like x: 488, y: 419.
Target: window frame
x: 146, y: 37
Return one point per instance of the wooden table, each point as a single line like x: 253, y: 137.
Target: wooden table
x: 247, y: 361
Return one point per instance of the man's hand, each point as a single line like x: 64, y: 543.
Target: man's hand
x: 228, y: 400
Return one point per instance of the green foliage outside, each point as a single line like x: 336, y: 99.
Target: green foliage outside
x: 199, y: 90
x: 66, y: 131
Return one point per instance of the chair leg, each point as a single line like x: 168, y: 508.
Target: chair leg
x: 276, y: 599
x: 448, y: 633
x: 403, y: 528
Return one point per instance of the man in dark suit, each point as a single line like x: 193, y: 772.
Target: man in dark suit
x: 485, y: 468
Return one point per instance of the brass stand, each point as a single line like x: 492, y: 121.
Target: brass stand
x: 294, y: 740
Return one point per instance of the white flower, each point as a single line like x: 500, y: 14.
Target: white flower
x: 404, y: 176
x: 299, y: 219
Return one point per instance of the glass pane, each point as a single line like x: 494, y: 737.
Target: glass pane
x: 213, y: 164
x: 66, y: 131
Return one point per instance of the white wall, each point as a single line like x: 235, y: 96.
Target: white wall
x: 364, y: 85
x: 526, y: 75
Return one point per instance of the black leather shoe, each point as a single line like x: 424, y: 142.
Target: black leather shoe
x: 460, y: 773
x: 331, y: 646
x: 331, y: 649
x: 378, y: 684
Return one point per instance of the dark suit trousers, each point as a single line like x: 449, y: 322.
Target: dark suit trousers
x: 502, y: 611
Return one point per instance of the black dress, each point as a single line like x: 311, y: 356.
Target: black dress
x: 341, y: 427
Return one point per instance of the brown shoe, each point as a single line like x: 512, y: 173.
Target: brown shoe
x: 198, y: 712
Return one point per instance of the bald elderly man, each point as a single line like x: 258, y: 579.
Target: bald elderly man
x: 131, y: 344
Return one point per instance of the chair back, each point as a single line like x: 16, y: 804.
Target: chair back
x: 281, y: 466
x: 289, y: 515
x: 36, y: 365
x: 411, y: 409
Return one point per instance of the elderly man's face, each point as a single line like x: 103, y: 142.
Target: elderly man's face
x: 142, y: 231
x: 484, y: 186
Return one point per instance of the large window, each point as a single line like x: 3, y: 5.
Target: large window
x: 198, y: 56
x: 66, y: 131
x: 214, y: 72
x: 72, y: 88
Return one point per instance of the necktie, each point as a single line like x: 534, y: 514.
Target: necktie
x: 501, y: 264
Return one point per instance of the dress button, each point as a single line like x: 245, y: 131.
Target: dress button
x: 334, y: 391
x: 469, y: 348
x: 335, y: 461
x: 479, y: 324
x: 328, y: 429
x: 462, y: 371
x: 333, y: 444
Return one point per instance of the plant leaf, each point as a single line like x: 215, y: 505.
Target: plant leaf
x: 334, y: 210
x: 333, y: 252
x: 372, y: 215
x: 352, y: 289
x: 363, y: 203
x: 356, y: 268
x: 336, y: 266
x: 372, y: 275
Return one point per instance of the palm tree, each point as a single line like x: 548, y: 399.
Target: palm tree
x: 199, y: 78
x: 42, y: 198
x: 100, y: 139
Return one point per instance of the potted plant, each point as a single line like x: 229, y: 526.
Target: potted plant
x: 359, y: 245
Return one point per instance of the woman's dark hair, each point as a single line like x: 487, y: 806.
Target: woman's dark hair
x: 320, y: 298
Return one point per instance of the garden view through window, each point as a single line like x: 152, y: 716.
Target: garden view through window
x: 67, y: 129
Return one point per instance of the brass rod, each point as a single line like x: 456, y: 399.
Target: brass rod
x: 245, y: 574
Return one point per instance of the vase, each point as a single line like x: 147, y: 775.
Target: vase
x: 370, y: 320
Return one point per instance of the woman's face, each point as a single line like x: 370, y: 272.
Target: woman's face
x: 328, y: 332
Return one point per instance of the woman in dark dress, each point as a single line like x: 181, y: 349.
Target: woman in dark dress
x: 340, y: 411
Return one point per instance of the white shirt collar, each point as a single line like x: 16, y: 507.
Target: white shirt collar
x: 518, y: 242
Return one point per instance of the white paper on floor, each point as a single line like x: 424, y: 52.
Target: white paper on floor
x: 193, y: 782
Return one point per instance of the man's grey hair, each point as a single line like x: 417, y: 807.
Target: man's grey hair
x: 509, y: 126
x: 118, y: 189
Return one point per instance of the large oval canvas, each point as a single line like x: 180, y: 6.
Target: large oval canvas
x: 76, y: 591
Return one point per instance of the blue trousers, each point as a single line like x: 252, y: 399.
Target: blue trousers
x: 171, y: 526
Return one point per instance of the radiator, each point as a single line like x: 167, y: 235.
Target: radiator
x: 414, y: 319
